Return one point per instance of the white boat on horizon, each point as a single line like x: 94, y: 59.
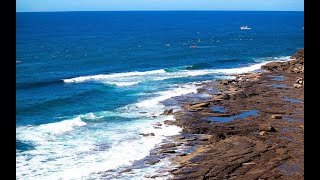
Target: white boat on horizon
x: 244, y: 27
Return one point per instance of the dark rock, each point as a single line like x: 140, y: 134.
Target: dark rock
x: 221, y: 136
x: 178, y: 137
x: 182, y: 154
x: 147, y: 134
x: 204, y: 137
x: 168, y: 112
x: 276, y: 116
x: 224, y: 82
x: 126, y: 170
x: 297, y: 86
x: 198, y: 105
x: 158, y: 124
x: 168, y: 151
x: 169, y: 145
x: 225, y: 96
x: 152, y: 161
x: 267, y: 128
x: 252, y: 94
x: 241, y: 95
x: 169, y: 122
x: 271, y: 66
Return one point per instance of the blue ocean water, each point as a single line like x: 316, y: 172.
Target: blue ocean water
x: 87, y: 83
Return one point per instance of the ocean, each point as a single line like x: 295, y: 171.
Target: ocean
x: 88, y: 83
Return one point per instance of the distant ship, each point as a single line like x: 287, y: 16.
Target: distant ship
x: 244, y: 27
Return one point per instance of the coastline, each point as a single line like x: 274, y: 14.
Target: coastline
x: 251, y: 127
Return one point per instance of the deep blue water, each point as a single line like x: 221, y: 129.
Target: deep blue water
x: 95, y: 79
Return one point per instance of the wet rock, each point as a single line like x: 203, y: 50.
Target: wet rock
x: 224, y: 82
x: 217, y: 99
x: 152, y: 161
x: 221, y: 136
x: 276, y: 116
x: 168, y: 112
x: 192, y: 139
x: 200, y: 105
x: 205, y: 137
x: 126, y: 170
x: 182, y: 154
x: 147, y: 134
x: 297, y: 86
x: 252, y: 94
x: 157, y: 124
x: 267, y: 128
x: 271, y: 66
x: 169, y: 145
x: 169, y: 122
x: 225, y: 96
x: 178, y: 137
x: 168, y: 151
x: 159, y: 175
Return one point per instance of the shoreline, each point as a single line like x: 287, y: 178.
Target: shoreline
x: 251, y: 127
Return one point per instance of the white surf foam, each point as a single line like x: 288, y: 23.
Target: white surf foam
x: 241, y: 70
x: 269, y: 59
x: 104, y: 77
x: 61, y: 149
x: 123, y: 83
x: 73, y: 155
x: 134, y: 78
x: 153, y: 106
x: 55, y: 128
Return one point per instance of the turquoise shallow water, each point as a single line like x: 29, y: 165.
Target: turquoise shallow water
x: 89, y: 82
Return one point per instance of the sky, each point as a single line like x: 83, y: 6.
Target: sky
x: 146, y: 5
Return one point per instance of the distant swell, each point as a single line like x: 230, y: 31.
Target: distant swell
x: 190, y: 67
x: 38, y: 84
x: 228, y: 61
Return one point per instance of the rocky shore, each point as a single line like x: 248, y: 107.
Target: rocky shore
x: 251, y: 127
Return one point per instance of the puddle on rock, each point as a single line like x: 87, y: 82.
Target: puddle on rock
x: 219, y: 109
x: 278, y: 78
x: 291, y: 119
x: 281, y: 86
x: 239, y: 116
x: 289, y: 129
x: 289, y: 169
x: 292, y: 100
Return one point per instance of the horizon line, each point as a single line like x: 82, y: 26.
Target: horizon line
x: 159, y: 10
